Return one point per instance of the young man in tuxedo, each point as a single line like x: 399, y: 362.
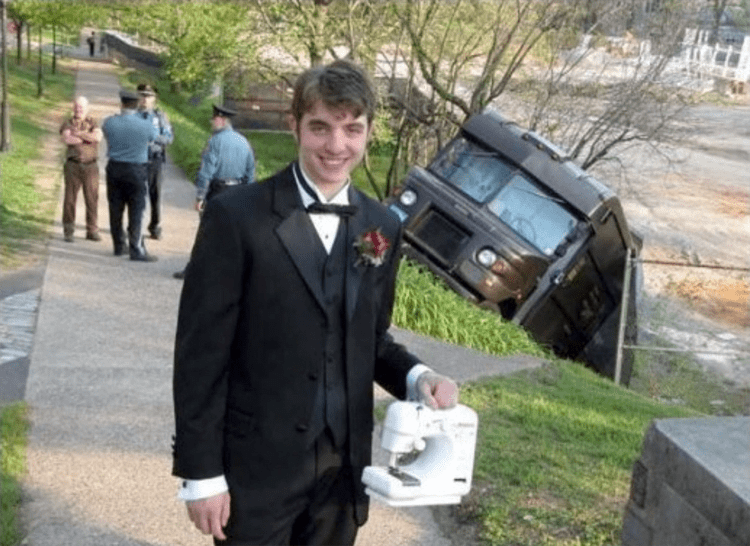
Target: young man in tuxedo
x: 282, y: 329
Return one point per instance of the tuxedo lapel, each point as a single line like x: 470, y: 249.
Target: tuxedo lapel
x: 358, y: 224
x: 298, y: 236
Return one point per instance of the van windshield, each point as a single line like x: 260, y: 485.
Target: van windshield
x: 511, y: 195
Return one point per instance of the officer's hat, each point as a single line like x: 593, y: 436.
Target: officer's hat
x: 224, y: 112
x: 127, y: 95
x: 146, y: 90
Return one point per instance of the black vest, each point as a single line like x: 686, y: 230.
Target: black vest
x: 331, y: 402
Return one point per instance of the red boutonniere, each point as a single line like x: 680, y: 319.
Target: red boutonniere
x: 371, y: 247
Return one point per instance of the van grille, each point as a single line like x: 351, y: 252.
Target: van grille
x: 444, y: 237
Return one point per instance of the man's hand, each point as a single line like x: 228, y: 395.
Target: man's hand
x: 437, y: 391
x: 210, y: 515
x: 199, y: 205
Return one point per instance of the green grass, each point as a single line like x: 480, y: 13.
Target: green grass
x: 554, y: 455
x: 273, y: 151
x: 13, y: 430
x: 26, y: 210
x: 424, y: 304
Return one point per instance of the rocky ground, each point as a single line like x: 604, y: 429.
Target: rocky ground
x: 697, y: 215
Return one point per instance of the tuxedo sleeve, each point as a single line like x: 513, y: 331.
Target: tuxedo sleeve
x: 207, y: 319
x: 392, y: 361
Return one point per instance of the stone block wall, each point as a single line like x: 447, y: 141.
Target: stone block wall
x: 691, y: 485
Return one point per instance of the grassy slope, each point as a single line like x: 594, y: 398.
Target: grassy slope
x: 13, y: 429
x: 556, y: 447
x: 26, y: 209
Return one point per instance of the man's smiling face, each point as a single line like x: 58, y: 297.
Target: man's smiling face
x: 332, y: 142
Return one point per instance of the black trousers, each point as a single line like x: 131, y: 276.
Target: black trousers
x: 126, y: 188
x: 154, y: 193
x: 315, y: 506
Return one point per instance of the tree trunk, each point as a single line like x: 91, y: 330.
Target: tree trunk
x: 54, y: 49
x: 39, y: 87
x: 5, y: 140
x: 19, y: 42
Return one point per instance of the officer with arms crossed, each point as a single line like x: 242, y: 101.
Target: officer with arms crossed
x: 128, y: 136
x: 156, y: 153
x: 227, y: 160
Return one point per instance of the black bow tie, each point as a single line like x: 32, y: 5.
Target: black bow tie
x: 341, y: 210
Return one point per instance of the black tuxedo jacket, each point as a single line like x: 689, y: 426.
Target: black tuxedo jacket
x: 251, y: 331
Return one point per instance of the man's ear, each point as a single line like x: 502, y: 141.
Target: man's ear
x: 292, y: 123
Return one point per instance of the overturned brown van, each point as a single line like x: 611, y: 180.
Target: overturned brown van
x: 507, y: 221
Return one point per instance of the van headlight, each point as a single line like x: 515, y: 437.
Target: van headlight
x: 407, y: 198
x: 486, y: 257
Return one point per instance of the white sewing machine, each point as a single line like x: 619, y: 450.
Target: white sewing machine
x: 440, y: 471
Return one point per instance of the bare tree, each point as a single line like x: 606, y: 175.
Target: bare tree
x: 445, y: 61
x: 602, y: 98
x: 717, y: 12
x: 300, y: 29
x: 522, y: 57
x: 450, y: 60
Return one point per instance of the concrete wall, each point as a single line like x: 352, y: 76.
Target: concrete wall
x: 126, y: 51
x: 691, y: 485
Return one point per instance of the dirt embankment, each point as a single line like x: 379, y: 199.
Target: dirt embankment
x: 695, y: 220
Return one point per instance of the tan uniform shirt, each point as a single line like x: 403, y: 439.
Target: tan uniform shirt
x: 85, y: 152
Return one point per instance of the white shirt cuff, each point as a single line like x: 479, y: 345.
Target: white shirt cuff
x: 202, y: 489
x: 411, y: 380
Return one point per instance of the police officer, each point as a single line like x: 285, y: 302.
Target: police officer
x: 156, y: 153
x: 128, y: 136
x: 227, y: 160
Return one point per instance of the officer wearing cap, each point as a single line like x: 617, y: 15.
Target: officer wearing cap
x: 128, y: 136
x: 227, y: 160
x: 156, y: 153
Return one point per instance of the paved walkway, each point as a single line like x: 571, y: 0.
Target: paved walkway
x: 95, y: 334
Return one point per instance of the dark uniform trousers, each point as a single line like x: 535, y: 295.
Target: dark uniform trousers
x: 155, y: 163
x: 126, y: 187
x: 80, y: 176
x: 317, y: 505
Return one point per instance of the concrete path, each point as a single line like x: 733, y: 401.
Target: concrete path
x: 99, y: 381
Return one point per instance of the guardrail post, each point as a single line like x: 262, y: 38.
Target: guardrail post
x: 624, y: 303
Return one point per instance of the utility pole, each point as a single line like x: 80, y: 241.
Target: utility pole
x: 5, y: 133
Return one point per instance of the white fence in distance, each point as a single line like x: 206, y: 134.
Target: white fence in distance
x: 705, y: 61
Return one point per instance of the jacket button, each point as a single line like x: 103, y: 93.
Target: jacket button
x: 302, y: 427
x: 313, y: 376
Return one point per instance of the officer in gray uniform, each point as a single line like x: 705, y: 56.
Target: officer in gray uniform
x: 156, y: 153
x: 227, y: 160
x: 128, y: 135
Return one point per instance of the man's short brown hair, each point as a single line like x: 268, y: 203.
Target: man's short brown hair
x: 340, y: 84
